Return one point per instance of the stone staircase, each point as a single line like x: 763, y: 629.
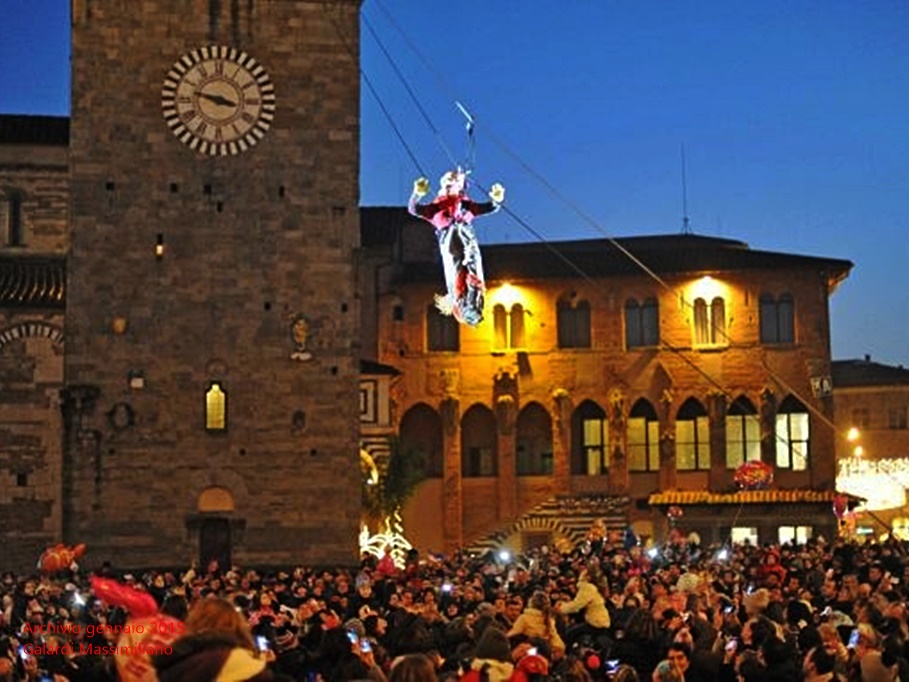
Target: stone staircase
x: 567, y: 518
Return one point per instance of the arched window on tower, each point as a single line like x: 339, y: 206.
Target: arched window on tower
x: 215, y: 408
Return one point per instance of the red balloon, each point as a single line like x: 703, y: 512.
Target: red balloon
x: 137, y: 602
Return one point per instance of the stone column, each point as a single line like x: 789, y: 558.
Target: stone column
x: 452, y: 482
x: 506, y: 482
x: 668, y: 472
x: 767, y: 417
x: 619, y: 481
x: 716, y: 408
x: 561, y: 441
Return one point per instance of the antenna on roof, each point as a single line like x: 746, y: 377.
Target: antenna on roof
x: 686, y: 228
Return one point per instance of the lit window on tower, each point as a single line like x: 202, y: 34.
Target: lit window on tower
x: 215, y: 408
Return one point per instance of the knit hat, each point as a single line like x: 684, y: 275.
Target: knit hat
x: 494, y: 645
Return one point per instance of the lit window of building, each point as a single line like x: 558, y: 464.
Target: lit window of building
x: 793, y: 428
x: 692, y: 437
x: 743, y: 433
x: 508, y: 327
x: 798, y: 534
x: 710, y: 322
x: 590, y: 440
x: 215, y: 408
x: 643, y: 438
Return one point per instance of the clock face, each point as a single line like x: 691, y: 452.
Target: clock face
x: 218, y: 100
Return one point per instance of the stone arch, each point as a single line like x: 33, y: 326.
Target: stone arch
x: 421, y: 429
x: 559, y: 535
x: 534, y: 441
x: 31, y: 329
x: 229, y: 481
x: 215, y: 499
x: 479, y: 442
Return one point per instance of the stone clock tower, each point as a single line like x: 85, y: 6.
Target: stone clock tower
x: 212, y: 329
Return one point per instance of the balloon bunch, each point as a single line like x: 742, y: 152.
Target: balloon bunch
x: 59, y: 557
x: 754, y: 476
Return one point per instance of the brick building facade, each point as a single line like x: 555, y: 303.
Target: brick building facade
x: 593, y: 383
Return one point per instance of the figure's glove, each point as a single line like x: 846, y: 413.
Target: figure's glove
x: 497, y: 193
x: 421, y: 187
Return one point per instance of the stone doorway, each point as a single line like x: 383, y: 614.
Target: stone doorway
x: 215, y: 543
x: 216, y: 507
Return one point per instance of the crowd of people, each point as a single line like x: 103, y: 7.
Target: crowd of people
x: 823, y: 610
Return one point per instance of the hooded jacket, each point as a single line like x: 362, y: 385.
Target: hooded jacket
x: 589, y: 600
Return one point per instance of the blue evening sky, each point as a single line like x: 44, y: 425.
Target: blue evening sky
x: 792, y: 114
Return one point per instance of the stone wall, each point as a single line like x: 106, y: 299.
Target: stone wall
x: 253, y: 245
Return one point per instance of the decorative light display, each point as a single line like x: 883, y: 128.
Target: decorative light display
x: 392, y: 537
x: 881, y: 482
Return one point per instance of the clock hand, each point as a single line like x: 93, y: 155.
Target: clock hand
x: 220, y: 100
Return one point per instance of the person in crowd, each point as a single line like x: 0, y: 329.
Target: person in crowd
x: 537, y: 622
x: 413, y: 668
x: 441, y: 608
x: 666, y: 671
x: 819, y: 665
x: 588, y: 601
x: 218, y: 645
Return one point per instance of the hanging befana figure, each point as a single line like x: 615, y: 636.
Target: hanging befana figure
x: 452, y: 213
